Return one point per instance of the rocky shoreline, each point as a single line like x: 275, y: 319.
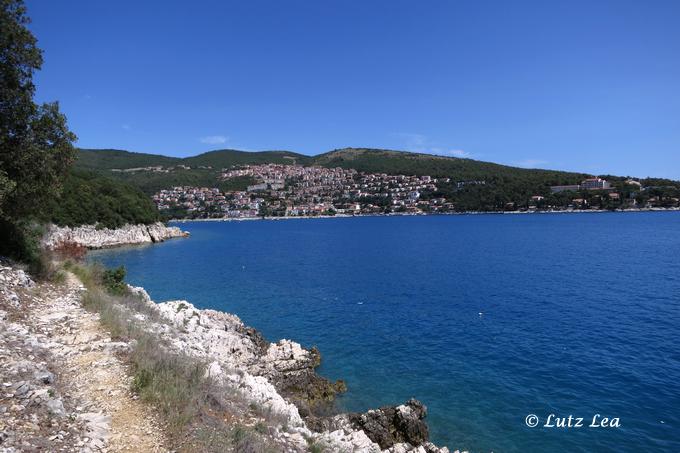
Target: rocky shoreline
x: 92, y: 237
x: 281, y: 378
x: 42, y: 342
x: 278, y: 377
x: 423, y: 214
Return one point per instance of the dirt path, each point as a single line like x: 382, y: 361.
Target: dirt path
x: 65, y: 386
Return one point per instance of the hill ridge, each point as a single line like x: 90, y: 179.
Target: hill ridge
x: 86, y: 155
x: 467, y: 184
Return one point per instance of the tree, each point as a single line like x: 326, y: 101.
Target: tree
x: 36, y: 147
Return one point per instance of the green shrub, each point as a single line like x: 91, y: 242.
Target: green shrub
x: 261, y: 428
x: 315, y: 447
x: 114, y: 280
x: 246, y: 440
x: 20, y: 241
x: 59, y: 277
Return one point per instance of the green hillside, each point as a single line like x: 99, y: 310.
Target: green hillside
x: 473, y: 185
x: 151, y: 182
x: 90, y: 198
x: 203, y: 171
x: 400, y: 162
x: 106, y: 159
x: 488, y: 186
x: 227, y: 157
x: 366, y: 160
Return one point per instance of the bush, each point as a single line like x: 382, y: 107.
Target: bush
x: 20, y: 241
x: 114, y: 280
x: 95, y: 278
x: 315, y: 447
x: 246, y: 440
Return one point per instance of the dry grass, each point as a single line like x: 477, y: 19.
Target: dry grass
x: 192, y: 405
x: 176, y: 385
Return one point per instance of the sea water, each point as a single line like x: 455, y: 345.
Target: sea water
x: 487, y: 319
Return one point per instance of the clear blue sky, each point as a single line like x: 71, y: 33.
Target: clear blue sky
x: 591, y: 86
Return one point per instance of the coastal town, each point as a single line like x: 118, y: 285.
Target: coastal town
x: 289, y: 190
x: 294, y: 190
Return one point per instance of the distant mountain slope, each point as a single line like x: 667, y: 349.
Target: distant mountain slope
x: 509, y: 182
x: 227, y: 157
x: 361, y: 159
x: 473, y: 185
x: 400, y: 162
x: 204, y: 171
x: 106, y: 159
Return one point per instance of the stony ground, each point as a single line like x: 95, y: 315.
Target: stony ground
x: 63, y: 383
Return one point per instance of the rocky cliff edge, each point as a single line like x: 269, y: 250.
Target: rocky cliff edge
x: 93, y: 237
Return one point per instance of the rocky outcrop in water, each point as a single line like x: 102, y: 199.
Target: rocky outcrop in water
x: 281, y: 378
x: 390, y: 426
x: 223, y: 339
x: 92, y: 237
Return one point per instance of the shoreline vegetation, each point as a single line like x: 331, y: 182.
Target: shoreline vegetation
x: 423, y: 214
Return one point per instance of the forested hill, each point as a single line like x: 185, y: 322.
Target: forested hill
x: 202, y: 170
x: 473, y: 185
x: 361, y: 159
x: 113, y: 159
x: 407, y: 163
x: 107, y: 159
x: 91, y: 198
x: 228, y: 157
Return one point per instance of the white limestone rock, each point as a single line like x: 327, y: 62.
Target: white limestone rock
x: 91, y: 237
x: 258, y: 390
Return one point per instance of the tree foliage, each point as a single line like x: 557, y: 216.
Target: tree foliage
x: 36, y: 147
x: 89, y: 198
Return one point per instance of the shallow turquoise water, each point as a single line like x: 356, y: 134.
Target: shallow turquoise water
x: 580, y: 315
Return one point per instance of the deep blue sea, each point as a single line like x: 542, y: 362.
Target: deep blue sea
x: 485, y: 318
